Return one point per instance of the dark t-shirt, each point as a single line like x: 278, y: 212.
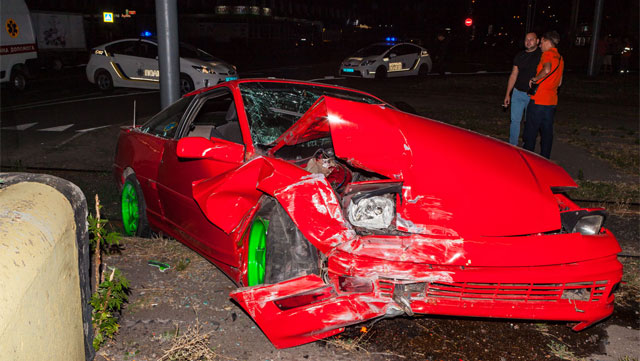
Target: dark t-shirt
x: 526, y: 63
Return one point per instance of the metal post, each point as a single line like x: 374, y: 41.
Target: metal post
x: 595, y: 37
x: 530, y: 14
x: 168, y: 57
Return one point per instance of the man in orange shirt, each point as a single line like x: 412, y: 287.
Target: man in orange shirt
x: 542, y: 106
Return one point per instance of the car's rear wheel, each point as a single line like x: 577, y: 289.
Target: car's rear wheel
x: 423, y: 71
x: 103, y: 80
x: 186, y: 84
x: 277, y: 249
x: 18, y: 80
x: 134, y: 210
x: 381, y: 72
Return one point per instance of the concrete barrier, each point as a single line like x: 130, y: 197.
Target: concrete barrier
x: 44, y: 269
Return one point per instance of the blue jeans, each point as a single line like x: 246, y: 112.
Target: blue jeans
x: 519, y: 101
x: 539, y: 120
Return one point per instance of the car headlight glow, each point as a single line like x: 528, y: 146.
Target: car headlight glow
x: 589, y: 224
x: 368, y: 62
x: 375, y: 212
x: 203, y: 69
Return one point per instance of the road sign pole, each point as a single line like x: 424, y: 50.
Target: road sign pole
x: 168, y: 55
x: 595, y: 37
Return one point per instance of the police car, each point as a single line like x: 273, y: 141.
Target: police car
x: 388, y: 59
x: 134, y: 63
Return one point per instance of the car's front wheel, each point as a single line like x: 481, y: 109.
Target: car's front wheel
x: 103, y: 80
x: 186, y: 84
x: 277, y: 250
x: 381, y: 72
x: 134, y: 210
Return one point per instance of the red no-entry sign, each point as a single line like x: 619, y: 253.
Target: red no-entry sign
x: 468, y: 21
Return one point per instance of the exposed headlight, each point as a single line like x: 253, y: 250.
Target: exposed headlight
x: 203, y: 69
x: 583, y: 221
x: 589, y: 224
x: 368, y: 62
x: 373, y: 212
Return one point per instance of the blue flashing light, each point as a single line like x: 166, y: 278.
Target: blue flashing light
x: 146, y: 34
x: 391, y: 39
x: 388, y: 38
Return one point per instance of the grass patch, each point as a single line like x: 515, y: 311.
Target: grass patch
x: 616, y: 197
x: 192, y: 344
x: 561, y: 351
x: 629, y: 293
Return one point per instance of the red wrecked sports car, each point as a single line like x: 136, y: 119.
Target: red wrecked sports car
x: 329, y: 207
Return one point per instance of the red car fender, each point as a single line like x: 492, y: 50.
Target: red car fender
x: 307, y: 323
x: 307, y: 198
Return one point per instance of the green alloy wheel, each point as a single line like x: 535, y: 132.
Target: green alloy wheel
x: 256, y: 260
x: 130, y: 208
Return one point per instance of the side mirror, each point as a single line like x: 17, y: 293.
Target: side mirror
x: 216, y: 149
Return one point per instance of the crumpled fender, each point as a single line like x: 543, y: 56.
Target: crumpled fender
x: 307, y: 198
x: 288, y: 328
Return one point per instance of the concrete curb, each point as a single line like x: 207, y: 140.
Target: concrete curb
x: 78, y: 203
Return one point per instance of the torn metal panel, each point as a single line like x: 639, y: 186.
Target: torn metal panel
x: 315, y: 209
x: 307, y: 323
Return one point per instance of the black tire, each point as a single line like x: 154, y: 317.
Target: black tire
x: 423, y: 71
x: 18, y: 80
x: 289, y: 254
x: 381, y: 72
x: 186, y: 84
x: 103, y: 80
x: 142, y: 228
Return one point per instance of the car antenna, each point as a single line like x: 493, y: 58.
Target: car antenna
x: 134, y: 113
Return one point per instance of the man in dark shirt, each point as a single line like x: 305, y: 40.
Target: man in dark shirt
x: 524, y: 68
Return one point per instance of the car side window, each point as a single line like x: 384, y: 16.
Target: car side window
x: 165, y: 123
x: 123, y: 48
x: 404, y: 49
x: 148, y: 50
x: 217, y: 118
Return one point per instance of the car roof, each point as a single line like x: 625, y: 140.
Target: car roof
x: 394, y: 44
x: 154, y: 41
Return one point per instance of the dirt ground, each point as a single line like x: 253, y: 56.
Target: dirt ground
x: 596, y: 141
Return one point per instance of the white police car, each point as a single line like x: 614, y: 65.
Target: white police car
x: 388, y: 59
x: 134, y: 63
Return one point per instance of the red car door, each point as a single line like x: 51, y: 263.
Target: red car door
x: 214, y: 117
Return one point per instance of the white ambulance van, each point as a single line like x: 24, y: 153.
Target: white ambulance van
x: 17, y: 43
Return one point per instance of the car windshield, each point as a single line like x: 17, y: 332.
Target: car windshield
x: 371, y: 50
x: 188, y: 51
x: 272, y: 108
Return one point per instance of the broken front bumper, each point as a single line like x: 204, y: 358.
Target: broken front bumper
x: 307, y: 309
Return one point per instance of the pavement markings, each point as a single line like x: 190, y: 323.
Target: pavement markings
x: 59, y: 128
x: 90, y: 129
x: 20, y: 126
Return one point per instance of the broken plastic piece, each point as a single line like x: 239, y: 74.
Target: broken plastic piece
x: 161, y: 265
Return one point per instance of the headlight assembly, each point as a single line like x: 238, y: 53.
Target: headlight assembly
x: 584, y: 222
x: 203, y: 69
x: 589, y: 224
x: 375, y: 212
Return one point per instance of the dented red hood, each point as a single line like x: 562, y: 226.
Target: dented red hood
x: 455, y: 182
